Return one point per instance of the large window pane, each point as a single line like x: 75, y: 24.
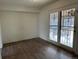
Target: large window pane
x: 54, y: 18
x: 68, y: 21
x: 53, y: 34
x: 67, y: 38
x: 53, y: 26
x: 67, y: 27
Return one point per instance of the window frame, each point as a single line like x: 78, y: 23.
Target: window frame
x: 59, y: 31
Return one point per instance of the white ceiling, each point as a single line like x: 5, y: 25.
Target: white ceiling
x: 27, y: 3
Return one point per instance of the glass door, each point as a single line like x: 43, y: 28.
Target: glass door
x: 53, y: 26
x: 67, y: 27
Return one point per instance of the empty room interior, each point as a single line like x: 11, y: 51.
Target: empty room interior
x: 38, y: 29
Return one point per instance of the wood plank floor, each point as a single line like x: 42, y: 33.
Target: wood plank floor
x: 34, y: 49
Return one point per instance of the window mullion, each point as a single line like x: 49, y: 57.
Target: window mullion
x: 59, y: 26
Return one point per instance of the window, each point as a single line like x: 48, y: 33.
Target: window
x: 53, y: 26
x: 66, y: 31
x: 67, y: 27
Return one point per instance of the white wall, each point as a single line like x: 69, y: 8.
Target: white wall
x: 45, y: 12
x: 0, y: 36
x: 18, y: 26
x: 18, y: 8
x: 0, y: 41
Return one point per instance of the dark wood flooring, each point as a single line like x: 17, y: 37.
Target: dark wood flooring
x: 34, y: 49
